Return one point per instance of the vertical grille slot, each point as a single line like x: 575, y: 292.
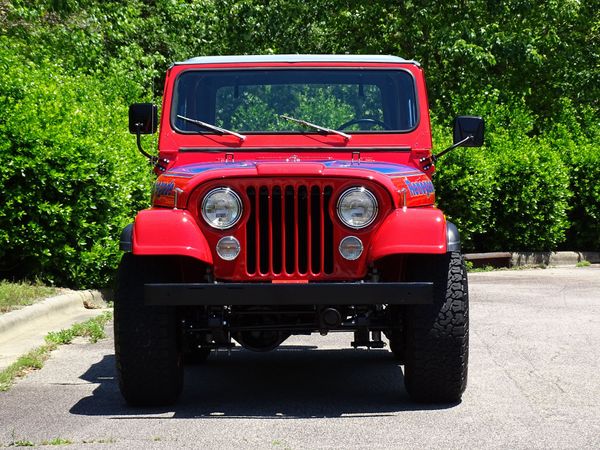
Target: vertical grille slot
x: 277, y: 233
x: 263, y: 226
x: 316, y: 240
x: 303, y: 229
x: 289, y: 231
x: 251, y: 244
x: 328, y: 234
x: 290, y: 222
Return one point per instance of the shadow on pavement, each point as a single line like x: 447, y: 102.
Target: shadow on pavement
x: 292, y: 382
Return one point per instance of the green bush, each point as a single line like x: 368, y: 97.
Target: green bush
x: 513, y: 193
x: 465, y: 186
x: 584, y: 217
x: 575, y: 134
x: 70, y: 178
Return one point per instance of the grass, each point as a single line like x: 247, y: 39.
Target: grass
x: 21, y: 444
x: 26, y: 443
x: 100, y: 441
x: 471, y: 269
x: 583, y: 264
x: 16, y: 295
x: 57, y: 441
x: 93, y: 329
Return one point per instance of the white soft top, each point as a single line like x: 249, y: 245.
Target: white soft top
x: 296, y: 59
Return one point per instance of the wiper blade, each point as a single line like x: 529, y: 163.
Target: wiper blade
x: 219, y: 130
x: 316, y: 127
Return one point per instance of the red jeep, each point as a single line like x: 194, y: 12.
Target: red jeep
x: 293, y: 196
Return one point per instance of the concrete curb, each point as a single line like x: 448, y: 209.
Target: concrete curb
x: 46, y: 310
x: 25, y: 329
x: 554, y: 258
x: 506, y: 259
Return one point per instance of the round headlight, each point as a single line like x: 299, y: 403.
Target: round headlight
x: 357, y: 207
x: 351, y: 248
x: 221, y: 208
x: 228, y: 248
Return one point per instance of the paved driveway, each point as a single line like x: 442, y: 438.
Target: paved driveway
x: 534, y: 382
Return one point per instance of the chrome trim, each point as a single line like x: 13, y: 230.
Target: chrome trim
x: 237, y: 198
x: 370, y: 194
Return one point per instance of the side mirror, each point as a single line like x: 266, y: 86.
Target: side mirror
x: 143, y: 118
x: 469, y: 126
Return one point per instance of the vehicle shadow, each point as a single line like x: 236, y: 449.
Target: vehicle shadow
x: 291, y: 382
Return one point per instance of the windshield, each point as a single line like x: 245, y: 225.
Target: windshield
x: 255, y: 100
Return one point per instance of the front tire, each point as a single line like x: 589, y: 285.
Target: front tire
x: 437, y: 336
x: 147, y: 348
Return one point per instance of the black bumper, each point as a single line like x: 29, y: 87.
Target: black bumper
x: 221, y: 294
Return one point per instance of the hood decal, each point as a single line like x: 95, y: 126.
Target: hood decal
x: 380, y: 167
x: 390, y: 169
x: 191, y: 170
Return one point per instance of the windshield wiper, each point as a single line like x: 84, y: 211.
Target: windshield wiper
x: 316, y: 127
x: 219, y: 130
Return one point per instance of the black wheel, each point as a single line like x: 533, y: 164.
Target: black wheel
x: 437, y: 336
x: 395, y: 334
x: 397, y: 346
x: 147, y: 348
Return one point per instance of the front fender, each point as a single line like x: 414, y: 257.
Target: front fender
x: 169, y: 232
x: 410, y: 230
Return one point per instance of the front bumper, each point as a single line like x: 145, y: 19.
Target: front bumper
x: 222, y: 294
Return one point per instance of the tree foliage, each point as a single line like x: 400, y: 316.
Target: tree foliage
x: 70, y: 176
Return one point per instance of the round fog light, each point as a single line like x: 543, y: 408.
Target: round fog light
x: 228, y: 248
x: 351, y: 248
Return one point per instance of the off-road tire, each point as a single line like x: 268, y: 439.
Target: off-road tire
x: 395, y: 333
x: 397, y: 346
x: 147, y: 348
x: 437, y: 336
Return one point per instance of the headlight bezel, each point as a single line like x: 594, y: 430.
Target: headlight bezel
x: 369, y: 194
x: 236, y: 198
x: 343, y: 250
x: 232, y: 240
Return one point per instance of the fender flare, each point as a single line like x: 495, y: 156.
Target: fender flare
x: 410, y: 231
x: 126, y: 241
x: 452, y: 238
x: 166, y: 232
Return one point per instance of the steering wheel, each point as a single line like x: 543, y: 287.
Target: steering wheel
x: 365, y: 120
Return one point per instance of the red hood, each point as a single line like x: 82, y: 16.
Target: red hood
x: 407, y: 185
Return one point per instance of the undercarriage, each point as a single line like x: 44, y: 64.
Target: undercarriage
x: 264, y: 328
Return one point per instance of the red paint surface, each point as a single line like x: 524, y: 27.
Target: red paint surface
x: 406, y: 223
x: 305, y: 145
x: 169, y: 232
x: 237, y: 270
x: 410, y: 230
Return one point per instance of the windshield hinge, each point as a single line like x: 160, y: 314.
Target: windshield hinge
x: 355, y: 158
x: 229, y: 158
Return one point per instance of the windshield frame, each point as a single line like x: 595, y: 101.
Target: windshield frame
x: 173, y: 112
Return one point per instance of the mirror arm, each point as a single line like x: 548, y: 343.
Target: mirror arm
x: 431, y: 160
x: 138, y: 136
x: 453, y: 146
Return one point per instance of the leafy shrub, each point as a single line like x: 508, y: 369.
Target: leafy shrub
x: 511, y: 194
x: 465, y: 186
x: 70, y: 177
x: 584, y: 217
x: 575, y: 134
x: 532, y: 198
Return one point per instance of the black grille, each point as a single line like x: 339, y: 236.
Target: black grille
x: 289, y: 230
